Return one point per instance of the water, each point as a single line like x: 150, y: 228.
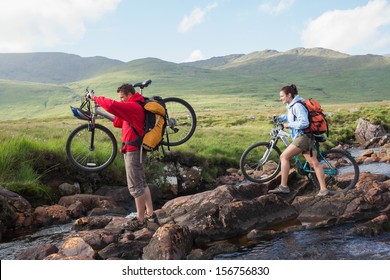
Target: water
x: 336, y: 243
x: 53, y: 235
x: 375, y: 167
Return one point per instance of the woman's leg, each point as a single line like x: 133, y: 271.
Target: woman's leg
x: 313, y: 161
x: 285, y: 158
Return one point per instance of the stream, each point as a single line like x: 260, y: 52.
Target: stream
x: 335, y: 243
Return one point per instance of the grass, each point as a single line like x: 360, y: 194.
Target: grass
x: 32, y: 152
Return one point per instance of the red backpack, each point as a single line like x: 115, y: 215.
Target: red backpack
x: 317, y: 122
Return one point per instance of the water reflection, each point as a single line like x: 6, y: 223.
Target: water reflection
x: 335, y: 243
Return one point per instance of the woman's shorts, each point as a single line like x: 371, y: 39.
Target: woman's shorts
x: 303, y: 142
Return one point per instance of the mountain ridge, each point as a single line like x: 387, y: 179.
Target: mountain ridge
x: 46, y: 82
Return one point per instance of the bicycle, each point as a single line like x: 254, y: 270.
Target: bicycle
x: 92, y: 147
x: 260, y: 162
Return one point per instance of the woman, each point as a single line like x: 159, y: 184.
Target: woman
x: 297, y: 120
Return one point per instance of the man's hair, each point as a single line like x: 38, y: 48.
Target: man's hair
x: 126, y: 89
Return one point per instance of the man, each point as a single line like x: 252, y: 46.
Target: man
x: 130, y: 116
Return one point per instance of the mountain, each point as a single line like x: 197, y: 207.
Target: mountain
x: 48, y: 82
x: 51, y: 67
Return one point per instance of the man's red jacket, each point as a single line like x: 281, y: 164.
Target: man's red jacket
x: 125, y: 113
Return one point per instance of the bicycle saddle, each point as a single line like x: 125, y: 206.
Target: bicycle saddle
x: 143, y: 84
x: 319, y: 138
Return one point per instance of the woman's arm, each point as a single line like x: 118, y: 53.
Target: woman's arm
x: 301, y: 117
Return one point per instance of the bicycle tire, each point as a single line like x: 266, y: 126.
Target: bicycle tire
x: 93, y: 159
x: 181, y: 121
x: 347, y: 171
x: 253, y: 169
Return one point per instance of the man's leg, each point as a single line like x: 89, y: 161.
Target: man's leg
x: 137, y: 185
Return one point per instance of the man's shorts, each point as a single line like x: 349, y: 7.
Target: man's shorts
x: 303, y: 142
x: 135, y: 173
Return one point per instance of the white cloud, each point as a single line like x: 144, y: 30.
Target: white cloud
x: 361, y: 29
x: 196, y: 17
x: 194, y: 56
x: 29, y: 24
x: 276, y: 7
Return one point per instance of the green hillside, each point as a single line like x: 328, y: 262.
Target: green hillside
x: 51, y: 67
x: 219, y: 84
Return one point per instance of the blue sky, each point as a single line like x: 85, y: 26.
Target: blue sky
x: 187, y: 30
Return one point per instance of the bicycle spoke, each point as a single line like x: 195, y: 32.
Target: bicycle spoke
x: 259, y: 164
x: 340, y: 169
x: 84, y: 157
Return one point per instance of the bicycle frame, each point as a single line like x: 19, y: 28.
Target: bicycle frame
x: 302, y: 168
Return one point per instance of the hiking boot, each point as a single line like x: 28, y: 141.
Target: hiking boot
x: 323, y: 193
x: 152, y: 218
x: 280, y: 189
x: 133, y: 225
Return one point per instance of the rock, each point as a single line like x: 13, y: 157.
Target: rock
x: 91, y: 222
x: 51, y: 215
x: 366, y: 131
x: 227, y: 212
x: 76, y: 246
x: 124, y: 250
x: 119, y: 195
x: 364, y: 201
x: 37, y: 252
x: 16, y: 212
x: 97, y: 238
x: 88, y: 201
x: 69, y: 189
x: 170, y: 242
x: 374, y: 227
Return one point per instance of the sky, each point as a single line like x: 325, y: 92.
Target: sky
x: 188, y: 30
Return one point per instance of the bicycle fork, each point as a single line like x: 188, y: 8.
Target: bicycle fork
x: 91, y: 128
x: 264, y: 159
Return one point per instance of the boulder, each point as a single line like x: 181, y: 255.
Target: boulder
x: 16, y: 211
x: 169, y: 242
x: 227, y: 211
x: 51, y: 215
x: 366, y: 131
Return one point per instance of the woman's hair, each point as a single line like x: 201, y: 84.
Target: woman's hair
x: 126, y: 89
x: 292, y: 89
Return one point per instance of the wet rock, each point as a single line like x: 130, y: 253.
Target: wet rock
x: 124, y: 250
x: 227, y: 212
x: 213, y: 251
x: 98, y: 238
x: 373, y: 227
x: 76, y: 246
x: 170, y: 242
x: 91, y: 222
x: 37, y: 252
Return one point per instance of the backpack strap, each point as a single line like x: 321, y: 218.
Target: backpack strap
x: 137, y: 142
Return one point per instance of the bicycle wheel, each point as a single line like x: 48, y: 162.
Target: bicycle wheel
x: 341, y: 171
x: 181, y: 121
x: 259, y: 164
x: 91, y: 150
